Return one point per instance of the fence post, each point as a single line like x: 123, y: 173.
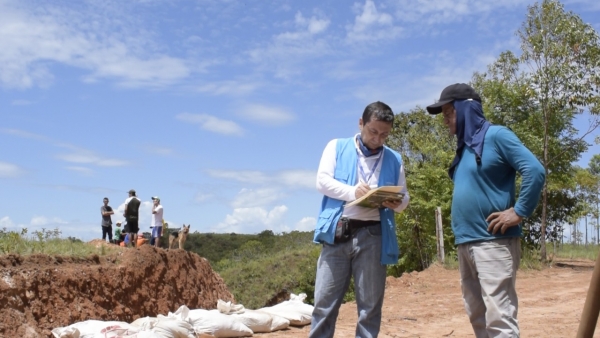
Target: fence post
x: 439, y: 235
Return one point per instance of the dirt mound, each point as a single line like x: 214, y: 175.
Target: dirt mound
x: 41, y: 292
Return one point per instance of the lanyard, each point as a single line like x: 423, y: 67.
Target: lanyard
x: 362, y: 171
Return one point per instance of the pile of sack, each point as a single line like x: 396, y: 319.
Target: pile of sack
x: 228, y: 320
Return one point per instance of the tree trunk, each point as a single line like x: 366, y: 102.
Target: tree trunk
x: 545, y: 191
x: 586, y: 226
x: 544, y: 207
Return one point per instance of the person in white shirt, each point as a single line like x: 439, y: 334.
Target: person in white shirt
x: 349, y: 168
x: 157, y: 220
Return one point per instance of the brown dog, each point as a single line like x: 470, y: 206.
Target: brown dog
x: 180, y: 235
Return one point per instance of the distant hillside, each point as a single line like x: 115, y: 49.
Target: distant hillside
x: 261, y: 269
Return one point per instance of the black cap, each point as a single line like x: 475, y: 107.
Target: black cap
x: 457, y: 91
x: 132, y: 192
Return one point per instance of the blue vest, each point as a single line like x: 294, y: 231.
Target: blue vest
x: 345, y: 172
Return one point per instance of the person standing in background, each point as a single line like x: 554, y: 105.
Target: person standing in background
x: 106, y: 211
x: 157, y: 221
x: 131, y: 214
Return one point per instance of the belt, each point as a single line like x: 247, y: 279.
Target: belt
x: 354, y: 224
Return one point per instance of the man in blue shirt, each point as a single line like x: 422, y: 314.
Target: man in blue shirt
x: 486, y: 218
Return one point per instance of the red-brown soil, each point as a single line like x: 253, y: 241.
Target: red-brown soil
x: 40, y: 292
x: 429, y: 304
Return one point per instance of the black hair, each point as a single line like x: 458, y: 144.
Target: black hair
x: 378, y: 111
x: 105, y: 198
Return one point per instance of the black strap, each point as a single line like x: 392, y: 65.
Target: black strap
x: 354, y: 224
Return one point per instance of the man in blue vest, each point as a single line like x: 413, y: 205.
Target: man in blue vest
x: 349, y: 168
x: 486, y: 219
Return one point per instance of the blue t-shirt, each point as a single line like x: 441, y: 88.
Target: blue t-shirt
x: 480, y: 190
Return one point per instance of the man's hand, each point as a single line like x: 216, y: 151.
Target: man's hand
x: 392, y: 204
x: 361, y: 190
x: 502, y: 220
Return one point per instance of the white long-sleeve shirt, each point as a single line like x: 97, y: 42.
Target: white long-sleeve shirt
x: 330, y: 187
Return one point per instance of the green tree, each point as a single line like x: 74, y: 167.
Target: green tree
x: 585, y: 186
x: 562, y: 54
x: 427, y: 150
x: 594, y: 168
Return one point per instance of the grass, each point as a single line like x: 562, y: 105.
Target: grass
x: 47, y: 242
x: 571, y: 251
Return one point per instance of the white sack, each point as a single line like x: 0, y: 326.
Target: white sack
x: 95, y: 329
x: 145, y: 323
x: 259, y: 321
x: 173, y: 328
x: 294, y: 310
x: 217, y: 324
x: 228, y: 308
x: 65, y: 332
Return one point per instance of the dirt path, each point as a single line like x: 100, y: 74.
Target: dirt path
x: 428, y: 304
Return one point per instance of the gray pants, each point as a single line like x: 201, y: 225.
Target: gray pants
x: 360, y: 257
x: 488, y: 272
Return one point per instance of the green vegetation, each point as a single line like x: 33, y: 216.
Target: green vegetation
x: 47, y: 242
x: 257, y: 268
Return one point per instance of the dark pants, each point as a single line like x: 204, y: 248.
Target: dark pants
x: 107, y: 231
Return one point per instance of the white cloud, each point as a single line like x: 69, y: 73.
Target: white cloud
x: 306, y: 224
x: 88, y: 157
x: 78, y: 154
x: 246, y: 176
x: 234, y: 88
x: 25, y: 134
x: 265, y: 114
x: 313, y: 24
x: 298, y: 178
x: 200, y: 197
x: 81, y: 170
x: 249, y: 198
x: 371, y: 25
x: 447, y: 11
x: 99, y: 39
x: 212, y: 124
x: 39, y: 221
x: 253, y: 220
x: 135, y: 72
x: 286, y: 54
x: 289, y: 178
x: 158, y: 150
x: 9, y: 170
x: 6, y: 222
x: 20, y: 103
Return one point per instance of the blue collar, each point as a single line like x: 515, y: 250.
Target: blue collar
x: 366, y: 151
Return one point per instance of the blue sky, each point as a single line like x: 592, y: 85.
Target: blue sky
x: 221, y: 108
